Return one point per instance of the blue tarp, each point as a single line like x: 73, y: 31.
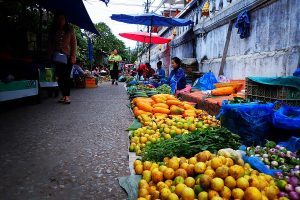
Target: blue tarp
x: 151, y: 19
x: 74, y: 10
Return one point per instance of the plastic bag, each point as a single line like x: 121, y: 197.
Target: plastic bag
x: 297, y: 72
x: 130, y: 185
x: 134, y: 125
x: 252, y: 121
x: 293, y: 144
x: 206, y: 82
x: 287, y: 118
x: 256, y: 163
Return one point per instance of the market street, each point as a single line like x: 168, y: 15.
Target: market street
x: 76, y: 151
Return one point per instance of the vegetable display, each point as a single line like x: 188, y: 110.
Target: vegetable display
x: 164, y: 89
x: 275, y: 156
x: 189, y: 144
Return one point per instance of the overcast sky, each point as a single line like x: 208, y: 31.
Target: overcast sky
x: 100, y: 13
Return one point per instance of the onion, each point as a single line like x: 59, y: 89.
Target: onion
x: 289, y: 187
x: 294, y: 181
x: 282, y: 194
x: 277, y: 146
x: 265, y: 155
x: 274, y: 163
x: 294, y: 195
x: 297, y: 167
x: 297, y: 189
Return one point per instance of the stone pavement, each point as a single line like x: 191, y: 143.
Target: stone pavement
x: 76, y: 151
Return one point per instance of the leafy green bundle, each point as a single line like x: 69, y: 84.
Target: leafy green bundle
x: 187, y: 145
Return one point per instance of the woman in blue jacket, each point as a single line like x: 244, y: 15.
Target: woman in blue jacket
x: 177, y: 80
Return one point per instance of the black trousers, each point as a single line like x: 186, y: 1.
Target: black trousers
x: 63, y: 72
x: 114, y: 74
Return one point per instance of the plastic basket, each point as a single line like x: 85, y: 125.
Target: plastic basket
x: 272, y: 93
x: 90, y: 83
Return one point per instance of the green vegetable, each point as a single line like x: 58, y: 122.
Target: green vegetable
x: 211, y: 139
x: 164, y: 89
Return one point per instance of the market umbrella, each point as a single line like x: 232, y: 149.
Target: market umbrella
x: 145, y: 37
x: 151, y: 19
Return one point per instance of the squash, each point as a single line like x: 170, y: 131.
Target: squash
x: 223, y: 91
x: 175, y: 110
x: 144, y: 106
x: 161, y: 105
x: 161, y: 110
x: 174, y: 102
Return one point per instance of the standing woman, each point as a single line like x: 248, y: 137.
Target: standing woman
x: 177, y: 80
x: 62, y: 49
x: 114, y: 59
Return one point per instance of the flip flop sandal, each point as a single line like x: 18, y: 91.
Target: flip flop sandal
x: 62, y: 100
x: 67, y: 101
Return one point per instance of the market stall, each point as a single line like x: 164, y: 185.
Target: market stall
x: 180, y: 152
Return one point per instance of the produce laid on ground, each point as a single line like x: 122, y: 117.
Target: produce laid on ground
x: 163, y: 117
x: 203, y: 176
x: 168, y: 134
x: 275, y: 156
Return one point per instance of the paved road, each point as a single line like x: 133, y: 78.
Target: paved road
x: 76, y: 151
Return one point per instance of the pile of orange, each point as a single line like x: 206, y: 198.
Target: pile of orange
x: 204, y: 176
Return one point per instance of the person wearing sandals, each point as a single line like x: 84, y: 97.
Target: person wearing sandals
x: 114, y: 59
x: 63, y: 42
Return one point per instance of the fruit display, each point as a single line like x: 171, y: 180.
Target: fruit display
x: 165, y: 104
x: 160, y: 127
x: 203, y: 176
x: 275, y: 156
x: 187, y: 145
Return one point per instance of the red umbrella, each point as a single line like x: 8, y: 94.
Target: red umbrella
x: 145, y: 37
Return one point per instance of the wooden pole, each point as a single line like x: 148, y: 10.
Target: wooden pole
x: 221, y: 71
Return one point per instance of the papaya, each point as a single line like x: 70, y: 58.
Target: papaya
x: 175, y: 110
x: 171, y: 97
x: 160, y: 115
x: 161, y: 110
x: 141, y: 99
x: 161, y: 105
x: 139, y: 112
x: 144, y: 106
x: 188, y: 106
x: 174, y: 102
x: 189, y: 113
x: 223, y: 91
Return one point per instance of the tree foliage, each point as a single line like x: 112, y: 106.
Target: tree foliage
x: 103, y: 44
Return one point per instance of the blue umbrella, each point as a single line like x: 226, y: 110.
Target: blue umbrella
x: 151, y: 19
x: 90, y: 47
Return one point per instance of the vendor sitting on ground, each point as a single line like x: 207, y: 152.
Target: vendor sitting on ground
x: 148, y: 71
x: 160, y: 72
x: 140, y: 70
x: 177, y: 80
x: 77, y: 74
x: 96, y: 72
